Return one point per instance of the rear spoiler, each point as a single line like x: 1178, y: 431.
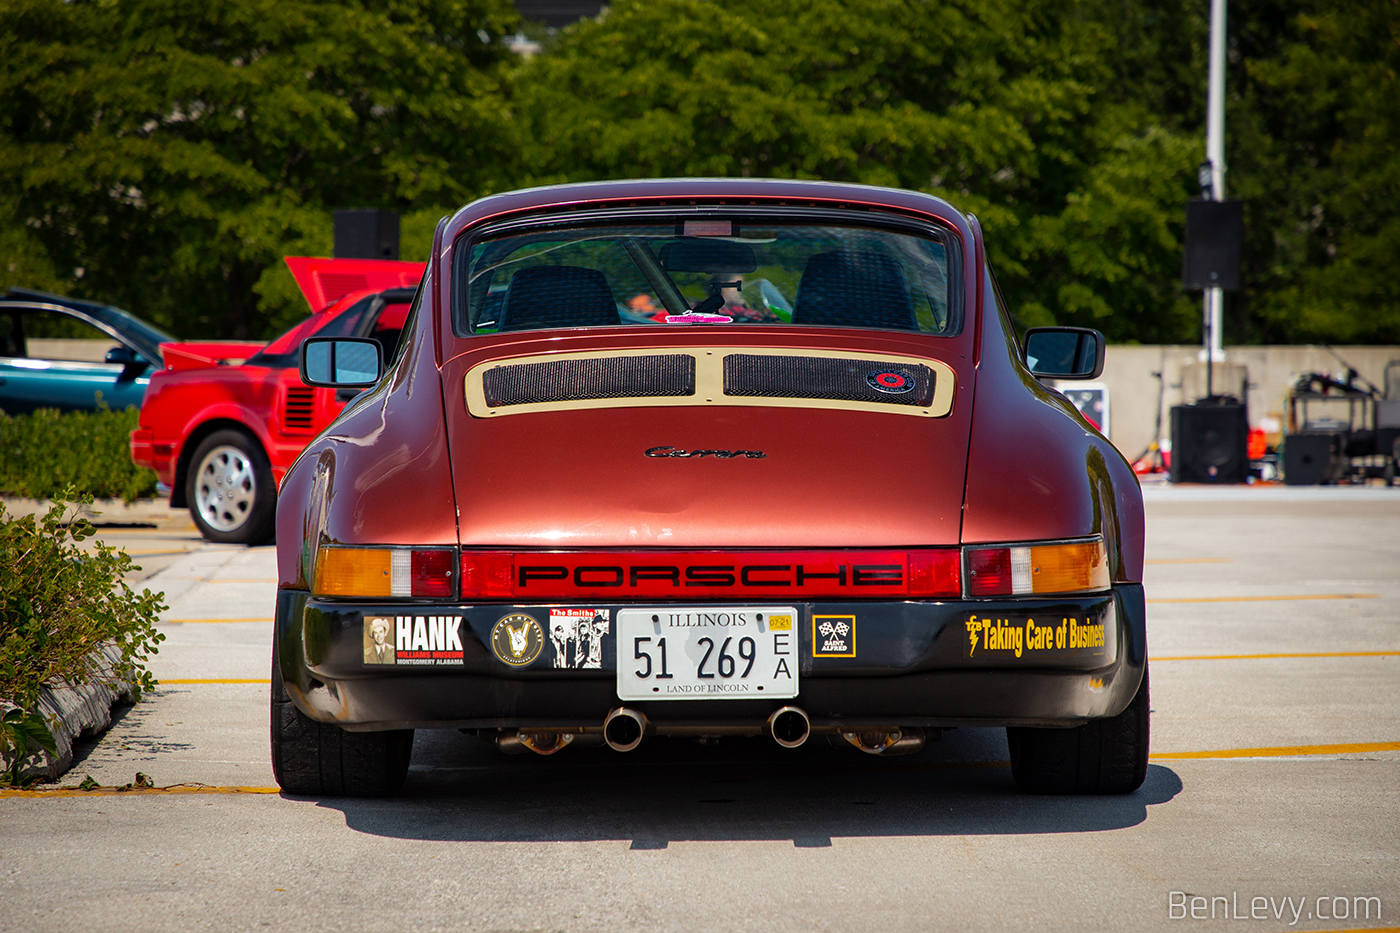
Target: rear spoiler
x: 323, y: 281
x: 207, y: 354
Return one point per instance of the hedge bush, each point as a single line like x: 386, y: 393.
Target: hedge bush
x: 59, y: 603
x: 87, y: 451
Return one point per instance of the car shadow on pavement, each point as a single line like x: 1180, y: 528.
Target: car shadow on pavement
x: 739, y: 790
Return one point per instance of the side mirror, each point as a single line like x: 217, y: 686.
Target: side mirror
x: 340, y: 362
x: 133, y: 364
x: 1065, y: 352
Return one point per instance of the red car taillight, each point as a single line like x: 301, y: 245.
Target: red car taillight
x: 375, y: 572
x: 1036, y: 569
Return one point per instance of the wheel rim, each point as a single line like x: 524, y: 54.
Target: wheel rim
x: 225, y: 488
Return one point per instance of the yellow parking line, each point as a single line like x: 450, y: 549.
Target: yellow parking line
x: 205, y: 621
x: 138, y: 791
x: 1285, y: 751
x: 1190, y: 560
x: 1262, y: 599
x: 213, y: 680
x: 1300, y: 654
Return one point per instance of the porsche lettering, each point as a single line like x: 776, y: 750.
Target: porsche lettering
x: 652, y: 576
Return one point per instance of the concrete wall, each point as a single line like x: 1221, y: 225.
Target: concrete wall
x: 1136, y: 395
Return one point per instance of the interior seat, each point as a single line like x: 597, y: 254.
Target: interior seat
x: 558, y: 296
x: 854, y: 288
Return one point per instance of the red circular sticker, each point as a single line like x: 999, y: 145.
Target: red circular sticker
x: 890, y: 380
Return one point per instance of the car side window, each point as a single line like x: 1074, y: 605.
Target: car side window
x: 54, y: 337
x: 388, y: 329
x: 395, y: 322
x: 12, y: 343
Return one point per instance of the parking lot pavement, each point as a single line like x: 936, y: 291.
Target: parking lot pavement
x: 1274, y: 628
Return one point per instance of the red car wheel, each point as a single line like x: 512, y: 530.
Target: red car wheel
x: 230, y: 490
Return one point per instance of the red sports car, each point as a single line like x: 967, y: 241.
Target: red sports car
x: 221, y: 422
x: 707, y: 458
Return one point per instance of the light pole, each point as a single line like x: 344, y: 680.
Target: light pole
x: 1214, y: 300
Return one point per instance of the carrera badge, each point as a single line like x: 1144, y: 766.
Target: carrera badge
x: 717, y: 454
x: 517, y: 639
x: 891, y: 381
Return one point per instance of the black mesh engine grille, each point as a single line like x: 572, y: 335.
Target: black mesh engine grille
x: 748, y: 374
x: 671, y: 374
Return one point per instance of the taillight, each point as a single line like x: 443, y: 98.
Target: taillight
x: 1038, y: 569
x: 373, y: 572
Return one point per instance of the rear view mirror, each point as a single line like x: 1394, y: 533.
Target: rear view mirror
x: 708, y: 255
x: 340, y: 362
x: 1065, y: 352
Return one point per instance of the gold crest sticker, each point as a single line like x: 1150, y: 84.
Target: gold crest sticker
x: 517, y: 639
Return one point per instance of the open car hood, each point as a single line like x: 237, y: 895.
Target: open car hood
x: 324, y: 281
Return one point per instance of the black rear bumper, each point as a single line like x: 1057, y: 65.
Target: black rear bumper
x: 917, y: 665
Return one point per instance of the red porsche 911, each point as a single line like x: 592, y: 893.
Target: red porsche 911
x: 706, y: 458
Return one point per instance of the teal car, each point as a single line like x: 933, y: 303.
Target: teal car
x: 71, y: 354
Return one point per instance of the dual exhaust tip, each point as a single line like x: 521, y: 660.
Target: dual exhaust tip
x: 789, y: 726
x: 624, y: 728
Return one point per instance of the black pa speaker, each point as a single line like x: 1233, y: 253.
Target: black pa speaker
x: 1214, y: 233
x: 1210, y: 444
x: 1310, y: 459
x: 366, y: 235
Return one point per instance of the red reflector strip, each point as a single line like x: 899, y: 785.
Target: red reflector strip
x: 617, y: 575
x: 935, y: 573
x: 488, y: 574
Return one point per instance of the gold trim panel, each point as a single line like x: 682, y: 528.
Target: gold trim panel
x: 709, y: 383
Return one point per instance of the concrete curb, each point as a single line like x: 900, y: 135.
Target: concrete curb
x: 74, y: 712
x: 108, y: 511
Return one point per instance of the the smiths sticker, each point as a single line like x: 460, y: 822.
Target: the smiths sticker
x: 517, y: 639
x: 987, y: 637
x: 577, y: 636
x: 413, y: 640
x: 833, y: 636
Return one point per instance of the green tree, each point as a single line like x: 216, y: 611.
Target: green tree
x: 1007, y: 108
x: 1315, y: 154
x: 164, y: 155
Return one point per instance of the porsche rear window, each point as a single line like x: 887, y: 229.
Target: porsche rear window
x: 705, y: 271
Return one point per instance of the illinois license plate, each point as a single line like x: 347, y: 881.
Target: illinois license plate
x: 704, y: 653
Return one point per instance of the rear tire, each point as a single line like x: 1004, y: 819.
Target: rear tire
x: 229, y: 487
x: 321, y: 760
x: 1104, y: 756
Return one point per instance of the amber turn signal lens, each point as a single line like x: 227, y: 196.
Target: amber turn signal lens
x: 1077, y: 567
